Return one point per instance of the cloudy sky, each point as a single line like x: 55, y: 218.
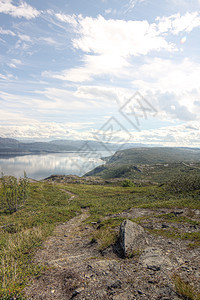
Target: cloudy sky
x: 114, y: 70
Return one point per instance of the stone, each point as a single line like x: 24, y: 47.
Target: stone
x: 132, y: 237
x: 114, y: 284
x: 78, y: 291
x: 155, y: 260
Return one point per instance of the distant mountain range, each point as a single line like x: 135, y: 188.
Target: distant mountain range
x: 14, y: 147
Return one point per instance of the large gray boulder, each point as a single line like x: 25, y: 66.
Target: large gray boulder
x: 132, y: 237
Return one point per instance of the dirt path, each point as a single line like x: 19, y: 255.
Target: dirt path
x: 77, y: 269
x: 72, y: 196
x: 63, y: 253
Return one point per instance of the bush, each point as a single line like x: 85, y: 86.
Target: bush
x: 184, y: 183
x: 127, y: 183
x: 14, y: 192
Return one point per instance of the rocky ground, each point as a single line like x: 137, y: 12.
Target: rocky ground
x: 76, y: 269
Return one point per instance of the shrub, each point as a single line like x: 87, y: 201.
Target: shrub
x: 14, y: 192
x: 127, y: 183
x: 184, y: 183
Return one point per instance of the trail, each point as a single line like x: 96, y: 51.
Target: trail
x: 64, y: 254
x: 76, y: 269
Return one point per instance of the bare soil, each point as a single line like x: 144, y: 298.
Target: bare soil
x: 76, y: 269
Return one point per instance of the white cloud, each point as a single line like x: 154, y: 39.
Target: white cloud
x: 93, y: 66
x: 6, y: 77
x: 6, y: 32
x: 177, y: 23
x: 172, y: 87
x: 108, y: 46
x: 67, y: 19
x: 22, y: 10
x: 48, y: 40
x: 108, y: 11
x: 43, y: 130
x: 184, y: 135
x: 187, y: 134
x: 24, y: 37
x: 64, y: 100
x: 14, y: 63
x: 113, y: 96
x: 124, y: 38
x: 167, y: 76
x: 9, y: 118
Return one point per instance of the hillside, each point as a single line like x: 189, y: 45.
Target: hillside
x: 155, y: 155
x: 149, y: 164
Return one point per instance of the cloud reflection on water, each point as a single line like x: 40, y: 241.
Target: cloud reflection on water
x: 41, y: 166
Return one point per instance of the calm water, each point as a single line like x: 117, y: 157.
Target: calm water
x: 41, y: 166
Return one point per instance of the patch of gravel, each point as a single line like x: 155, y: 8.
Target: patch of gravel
x: 78, y: 270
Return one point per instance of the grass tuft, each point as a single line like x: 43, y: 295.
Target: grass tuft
x: 185, y: 289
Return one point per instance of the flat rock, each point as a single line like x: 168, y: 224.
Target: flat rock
x: 132, y: 237
x: 154, y: 259
x: 104, y: 266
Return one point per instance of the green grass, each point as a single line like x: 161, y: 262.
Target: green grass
x: 174, y: 233
x: 22, y: 232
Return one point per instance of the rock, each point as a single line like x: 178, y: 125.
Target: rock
x: 77, y: 291
x: 114, y: 284
x: 165, y: 226
x: 104, y: 267
x: 176, y: 213
x: 132, y: 237
x: 153, y: 259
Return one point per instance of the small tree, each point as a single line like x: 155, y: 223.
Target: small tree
x: 14, y: 192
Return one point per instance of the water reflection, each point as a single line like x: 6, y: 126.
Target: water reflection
x: 42, y: 166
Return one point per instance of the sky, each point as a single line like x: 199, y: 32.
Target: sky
x: 106, y: 70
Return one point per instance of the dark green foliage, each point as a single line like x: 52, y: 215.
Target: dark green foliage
x: 184, y: 183
x: 127, y: 183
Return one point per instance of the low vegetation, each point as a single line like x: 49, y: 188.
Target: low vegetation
x: 14, y: 192
x: 184, y: 183
x: 185, y: 289
x: 23, y: 231
x: 47, y: 204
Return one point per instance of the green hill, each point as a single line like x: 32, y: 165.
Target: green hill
x: 149, y: 164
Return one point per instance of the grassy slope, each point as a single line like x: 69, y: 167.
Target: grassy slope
x: 149, y: 164
x: 23, y: 232
x: 154, y: 173
x: 155, y: 155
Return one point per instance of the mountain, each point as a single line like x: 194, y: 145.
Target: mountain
x: 8, y: 142
x: 15, y: 147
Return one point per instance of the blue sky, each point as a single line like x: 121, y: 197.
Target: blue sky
x: 87, y: 69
